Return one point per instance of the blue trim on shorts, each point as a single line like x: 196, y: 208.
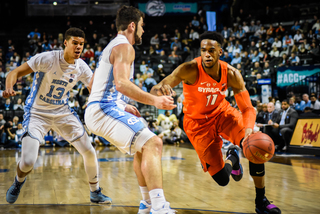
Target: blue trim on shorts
x: 29, y: 103
x: 130, y: 120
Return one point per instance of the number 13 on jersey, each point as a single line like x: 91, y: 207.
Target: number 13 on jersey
x: 211, y: 99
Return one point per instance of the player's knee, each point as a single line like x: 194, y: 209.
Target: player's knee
x: 155, y: 144
x: 27, y: 164
x: 222, y: 177
x: 256, y: 169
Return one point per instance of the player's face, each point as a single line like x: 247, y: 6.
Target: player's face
x: 139, y: 32
x: 74, y: 46
x: 210, y: 52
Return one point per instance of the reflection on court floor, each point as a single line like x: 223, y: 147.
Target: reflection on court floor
x: 58, y: 183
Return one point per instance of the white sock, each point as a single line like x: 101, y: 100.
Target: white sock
x: 145, y: 194
x: 20, y: 179
x: 157, y: 198
x: 94, y: 187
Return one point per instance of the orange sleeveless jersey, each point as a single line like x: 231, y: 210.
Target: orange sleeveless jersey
x: 206, y: 97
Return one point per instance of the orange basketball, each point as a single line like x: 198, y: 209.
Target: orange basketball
x: 258, y: 148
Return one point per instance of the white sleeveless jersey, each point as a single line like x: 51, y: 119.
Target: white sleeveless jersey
x: 104, y: 88
x: 53, y: 79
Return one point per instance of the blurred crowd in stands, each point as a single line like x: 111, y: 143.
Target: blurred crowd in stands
x: 256, y: 48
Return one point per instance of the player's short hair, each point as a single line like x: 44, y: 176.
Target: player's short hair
x: 126, y: 15
x: 73, y: 31
x: 285, y: 100
x: 212, y: 35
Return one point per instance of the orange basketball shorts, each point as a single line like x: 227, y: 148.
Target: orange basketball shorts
x: 204, y: 134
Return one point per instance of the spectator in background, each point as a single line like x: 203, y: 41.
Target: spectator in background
x: 226, y: 33
x: 19, y: 105
x: 163, y: 58
x: 35, y: 32
x: 155, y: 40
x: 269, y: 117
x: 174, y: 58
x: 302, y: 50
x: 306, y: 102
x: 239, y: 67
x: 46, y: 46
x: 97, y: 53
x: 255, y: 57
x: 277, y: 43
x: 265, y: 57
x: 262, y: 110
x: 307, y: 113
x: 316, y: 26
x: 8, y: 105
x: 295, y: 27
x: 270, y: 31
x: 274, y: 53
x: 252, y: 47
x: 161, y: 72
x: 280, y: 31
x: 245, y: 60
x: 283, y: 126
x: 176, y: 43
x: 315, y: 104
x: 256, y: 69
x: 149, y: 82
x: 143, y: 67
x: 245, y: 27
x: 164, y: 42
x: 253, y: 28
x: 287, y: 41
x: 88, y: 52
x: 226, y: 57
x: 236, y: 59
x: 2, y: 121
x: 293, y: 59
x: 195, y: 22
x: 267, y: 70
x: 297, y: 36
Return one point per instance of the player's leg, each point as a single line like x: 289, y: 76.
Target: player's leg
x: 207, y: 143
x: 230, y: 127
x: 263, y: 205
x: 91, y: 167
x: 36, y: 127
x: 145, y: 203
x: 131, y: 135
x: 71, y: 129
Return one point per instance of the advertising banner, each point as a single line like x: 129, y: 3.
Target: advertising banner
x: 160, y: 8
x: 289, y: 75
x: 306, y: 133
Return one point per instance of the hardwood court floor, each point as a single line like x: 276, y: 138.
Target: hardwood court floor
x: 58, y: 184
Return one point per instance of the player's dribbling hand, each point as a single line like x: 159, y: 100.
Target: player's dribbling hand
x: 248, y: 132
x: 9, y: 92
x: 164, y: 102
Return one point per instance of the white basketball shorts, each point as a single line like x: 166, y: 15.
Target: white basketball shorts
x: 124, y: 130
x: 62, y: 120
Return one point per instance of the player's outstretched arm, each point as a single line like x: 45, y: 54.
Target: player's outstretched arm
x: 182, y: 73
x: 235, y: 81
x: 12, y: 77
x: 122, y: 57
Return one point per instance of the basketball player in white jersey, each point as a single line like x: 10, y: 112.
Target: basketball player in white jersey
x: 56, y: 73
x: 108, y: 114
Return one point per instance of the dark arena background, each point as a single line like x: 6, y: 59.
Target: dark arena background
x: 275, y: 46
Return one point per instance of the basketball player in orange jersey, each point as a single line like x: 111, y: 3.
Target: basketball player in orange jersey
x: 208, y: 115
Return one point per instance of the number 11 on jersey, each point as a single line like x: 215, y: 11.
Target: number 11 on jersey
x: 213, y: 98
